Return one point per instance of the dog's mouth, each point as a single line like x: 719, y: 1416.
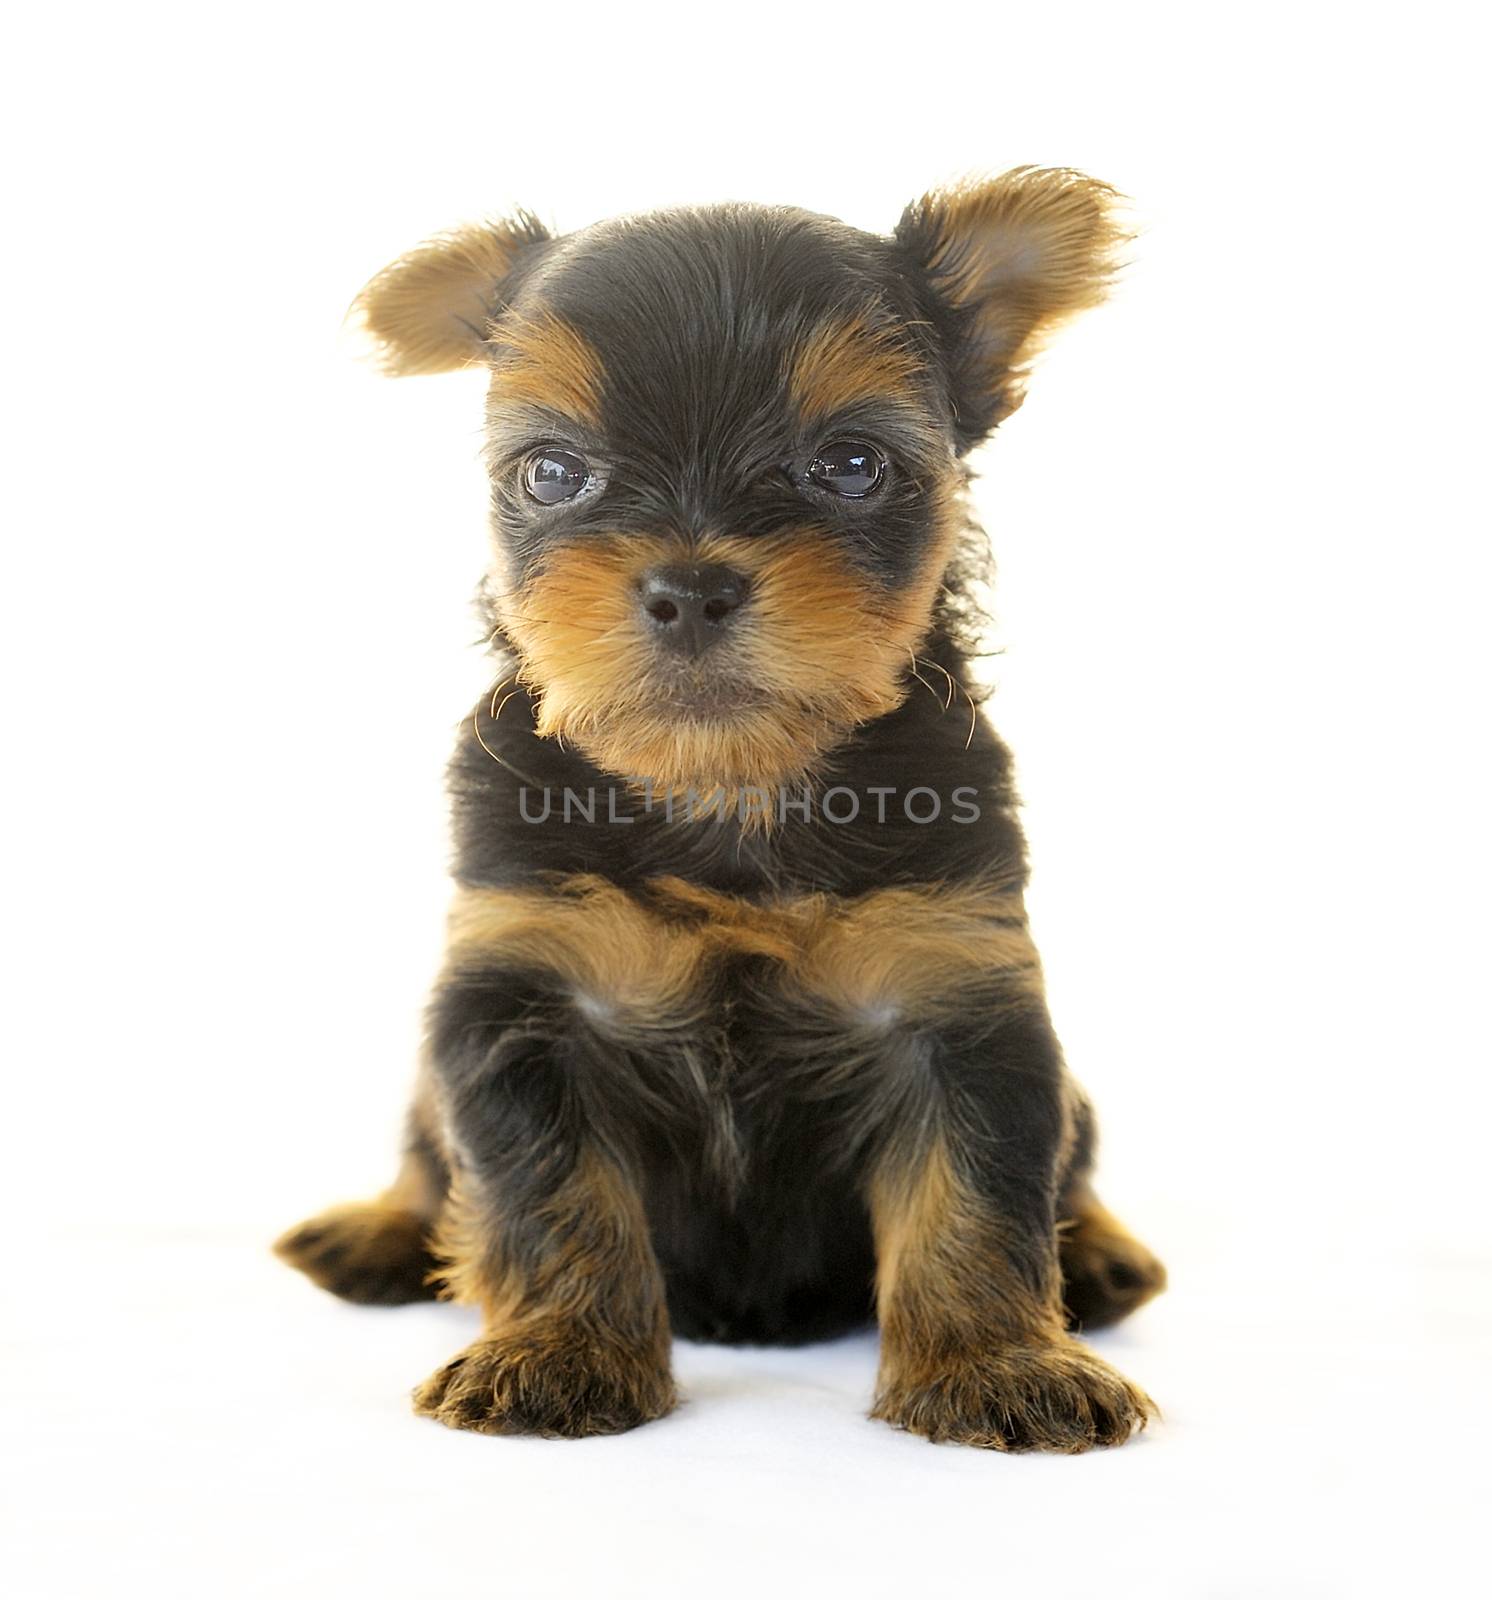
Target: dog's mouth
x: 705, y: 696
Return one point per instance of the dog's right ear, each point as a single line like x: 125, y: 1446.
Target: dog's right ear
x: 431, y: 311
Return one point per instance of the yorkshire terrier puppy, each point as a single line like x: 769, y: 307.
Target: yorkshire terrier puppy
x: 741, y: 1033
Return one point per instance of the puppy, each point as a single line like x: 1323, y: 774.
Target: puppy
x: 741, y: 1032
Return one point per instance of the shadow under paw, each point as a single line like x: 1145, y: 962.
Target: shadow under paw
x: 1053, y: 1395
x: 557, y: 1381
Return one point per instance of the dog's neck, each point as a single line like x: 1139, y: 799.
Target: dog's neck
x: 922, y: 793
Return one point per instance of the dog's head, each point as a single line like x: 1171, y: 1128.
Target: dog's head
x: 725, y: 448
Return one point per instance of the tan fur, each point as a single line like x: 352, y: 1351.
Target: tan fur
x: 846, y: 362
x: 816, y: 650
x: 600, y: 940
x: 939, y: 1276
x: 729, y: 924
x: 910, y: 947
x: 541, y: 360
x: 600, y: 1265
x: 1021, y: 253
x: 430, y: 310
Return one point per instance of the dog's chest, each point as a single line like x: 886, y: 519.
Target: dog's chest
x: 747, y: 977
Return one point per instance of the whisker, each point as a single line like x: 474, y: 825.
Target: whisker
x: 923, y: 681
x: 476, y: 728
x: 492, y: 714
x: 946, y: 673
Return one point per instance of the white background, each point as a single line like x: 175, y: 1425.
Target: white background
x: 1242, y: 544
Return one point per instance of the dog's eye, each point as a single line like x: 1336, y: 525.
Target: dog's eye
x: 553, y: 475
x: 848, y: 467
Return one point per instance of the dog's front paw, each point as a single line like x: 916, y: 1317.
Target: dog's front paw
x: 1047, y: 1395
x: 552, y: 1379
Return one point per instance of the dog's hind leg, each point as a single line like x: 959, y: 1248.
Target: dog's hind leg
x: 1106, y: 1271
x: 378, y: 1252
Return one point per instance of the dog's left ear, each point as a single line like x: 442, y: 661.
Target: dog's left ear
x: 432, y: 310
x: 999, y: 264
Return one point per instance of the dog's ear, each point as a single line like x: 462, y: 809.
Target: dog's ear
x: 430, y: 311
x: 999, y: 264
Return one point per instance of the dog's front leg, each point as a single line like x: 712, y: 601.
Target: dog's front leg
x: 916, y: 1017
x: 545, y: 1228
x: 973, y: 1348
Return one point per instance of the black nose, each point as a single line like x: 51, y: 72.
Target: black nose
x: 689, y: 606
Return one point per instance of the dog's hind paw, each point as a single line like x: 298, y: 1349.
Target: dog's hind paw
x: 373, y: 1254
